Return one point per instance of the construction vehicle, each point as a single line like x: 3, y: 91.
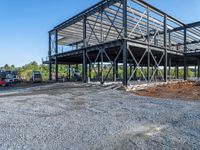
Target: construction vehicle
x: 2, y: 82
x: 36, y: 77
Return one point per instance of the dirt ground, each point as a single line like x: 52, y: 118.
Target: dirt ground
x: 22, y: 85
x: 90, y: 116
x: 182, y: 90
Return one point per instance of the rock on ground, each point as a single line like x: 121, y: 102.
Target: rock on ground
x: 95, y: 117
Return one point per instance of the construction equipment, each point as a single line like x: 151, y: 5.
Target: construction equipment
x: 36, y: 77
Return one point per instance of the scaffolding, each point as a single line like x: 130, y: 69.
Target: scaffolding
x: 125, y: 33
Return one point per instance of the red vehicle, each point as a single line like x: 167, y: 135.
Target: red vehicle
x: 2, y: 82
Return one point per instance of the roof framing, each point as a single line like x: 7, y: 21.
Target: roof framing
x: 107, y: 15
x: 104, y: 4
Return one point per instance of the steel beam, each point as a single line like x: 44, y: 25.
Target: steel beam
x: 191, y: 25
x: 92, y: 10
x: 159, y: 11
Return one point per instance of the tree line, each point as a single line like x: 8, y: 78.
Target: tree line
x: 25, y: 72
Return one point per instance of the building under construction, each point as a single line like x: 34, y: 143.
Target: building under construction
x: 130, y: 34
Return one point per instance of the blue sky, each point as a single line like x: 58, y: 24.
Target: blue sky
x: 25, y: 24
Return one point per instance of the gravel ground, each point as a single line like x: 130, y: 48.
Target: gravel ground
x: 62, y: 116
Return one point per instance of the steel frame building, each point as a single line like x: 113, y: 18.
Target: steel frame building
x: 131, y: 33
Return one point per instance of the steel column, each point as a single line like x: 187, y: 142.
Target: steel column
x: 76, y: 67
x: 142, y: 70
x: 90, y: 69
x: 135, y: 74
x: 170, y: 40
x: 165, y: 45
x: 115, y: 72
x: 195, y: 71
x: 117, y: 68
x: 84, y: 66
x: 69, y: 72
x: 131, y: 69
x: 50, y: 60
x: 152, y: 71
x: 125, y: 43
x: 125, y: 78
x: 148, y: 49
x: 185, y: 68
x: 177, y: 71
x: 170, y: 62
x: 56, y: 51
x: 98, y: 70
x: 102, y: 79
x: 156, y: 72
x: 198, y: 62
x: 185, y: 57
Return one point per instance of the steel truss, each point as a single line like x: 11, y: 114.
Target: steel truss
x: 125, y: 32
